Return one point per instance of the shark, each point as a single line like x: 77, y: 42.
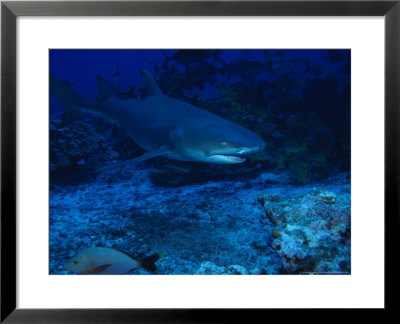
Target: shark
x: 161, y: 125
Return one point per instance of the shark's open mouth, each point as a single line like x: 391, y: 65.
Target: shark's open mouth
x: 229, y: 158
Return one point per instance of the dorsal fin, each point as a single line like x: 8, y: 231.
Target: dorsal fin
x: 150, y: 86
x: 104, y: 89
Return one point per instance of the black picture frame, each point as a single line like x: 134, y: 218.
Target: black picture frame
x: 10, y: 10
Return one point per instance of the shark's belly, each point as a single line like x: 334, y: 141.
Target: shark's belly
x: 179, y: 157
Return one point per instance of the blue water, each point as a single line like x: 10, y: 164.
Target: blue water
x: 285, y: 210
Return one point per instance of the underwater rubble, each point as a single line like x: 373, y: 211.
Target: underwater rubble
x: 225, y: 227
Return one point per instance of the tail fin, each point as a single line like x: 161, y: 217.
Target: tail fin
x: 105, y: 91
x: 71, y: 101
x: 149, y: 263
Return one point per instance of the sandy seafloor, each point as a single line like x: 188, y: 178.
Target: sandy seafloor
x: 258, y: 225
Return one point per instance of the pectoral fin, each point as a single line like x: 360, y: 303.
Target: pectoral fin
x: 119, y: 135
x: 145, y: 156
x: 99, y: 268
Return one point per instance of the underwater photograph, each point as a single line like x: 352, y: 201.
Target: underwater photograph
x: 199, y: 161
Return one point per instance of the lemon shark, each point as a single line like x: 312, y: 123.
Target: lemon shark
x: 163, y: 126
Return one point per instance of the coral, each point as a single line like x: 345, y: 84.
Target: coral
x: 236, y: 270
x: 328, y: 197
x: 209, y: 268
x: 74, y: 145
x: 312, y: 231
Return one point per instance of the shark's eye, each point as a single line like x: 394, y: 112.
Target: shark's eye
x: 75, y: 261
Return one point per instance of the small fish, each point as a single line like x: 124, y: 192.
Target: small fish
x: 276, y: 64
x: 129, y: 94
x: 202, y: 72
x: 246, y: 69
x: 316, y: 70
x: 335, y: 56
x: 101, y: 260
x: 187, y: 57
x: 81, y: 162
x: 115, y: 82
x: 265, y: 128
x: 278, y: 53
x: 277, y: 134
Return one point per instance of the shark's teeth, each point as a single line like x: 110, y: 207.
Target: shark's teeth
x: 222, y: 158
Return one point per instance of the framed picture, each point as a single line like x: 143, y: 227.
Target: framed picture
x: 197, y: 154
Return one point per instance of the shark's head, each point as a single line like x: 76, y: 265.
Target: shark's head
x: 221, y: 143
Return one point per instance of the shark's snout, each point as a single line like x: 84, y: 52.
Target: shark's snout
x: 261, y: 146
x: 257, y: 144
x: 232, y: 155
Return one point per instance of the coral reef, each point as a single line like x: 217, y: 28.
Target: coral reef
x: 312, y: 230
x: 75, y: 145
